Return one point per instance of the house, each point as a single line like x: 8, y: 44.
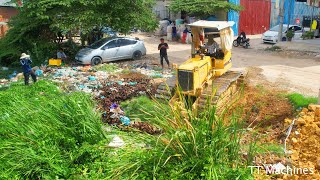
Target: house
x: 294, y: 11
x: 7, y: 10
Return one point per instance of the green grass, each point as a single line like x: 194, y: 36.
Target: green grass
x: 110, y: 67
x: 192, y: 147
x: 48, y: 134
x: 42, y: 131
x: 300, y: 101
x: 138, y: 108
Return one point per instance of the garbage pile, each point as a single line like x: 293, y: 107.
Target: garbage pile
x: 80, y: 78
x: 118, y: 118
x: 118, y: 91
x: 304, y: 142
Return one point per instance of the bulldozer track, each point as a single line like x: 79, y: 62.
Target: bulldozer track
x: 221, y: 91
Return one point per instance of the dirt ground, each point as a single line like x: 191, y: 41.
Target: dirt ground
x: 286, y: 70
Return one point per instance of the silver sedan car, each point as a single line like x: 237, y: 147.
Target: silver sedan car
x: 111, y: 49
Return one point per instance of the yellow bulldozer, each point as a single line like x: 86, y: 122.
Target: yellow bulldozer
x: 206, y: 75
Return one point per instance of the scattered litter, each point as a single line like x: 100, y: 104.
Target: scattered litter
x: 39, y: 72
x: 5, y: 69
x: 116, y: 142
x: 125, y: 120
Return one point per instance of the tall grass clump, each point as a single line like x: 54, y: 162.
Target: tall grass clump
x: 42, y: 131
x: 191, y: 147
x: 300, y: 101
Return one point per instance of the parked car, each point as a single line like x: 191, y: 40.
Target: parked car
x: 111, y: 49
x: 271, y: 36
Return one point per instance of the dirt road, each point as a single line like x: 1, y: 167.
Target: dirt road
x: 292, y: 71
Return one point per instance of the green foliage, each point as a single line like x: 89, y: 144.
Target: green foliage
x: 192, y: 147
x: 38, y: 23
x: 300, y: 101
x: 110, y: 67
x: 203, y: 8
x: 139, y: 108
x: 42, y: 131
x: 290, y: 34
x: 308, y: 35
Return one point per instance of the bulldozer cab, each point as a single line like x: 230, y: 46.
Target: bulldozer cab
x: 204, y: 34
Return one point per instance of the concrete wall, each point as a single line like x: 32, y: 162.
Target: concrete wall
x: 161, y: 9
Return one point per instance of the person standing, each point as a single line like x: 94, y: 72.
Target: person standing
x: 61, y: 55
x: 25, y: 61
x: 174, y: 32
x: 163, y: 52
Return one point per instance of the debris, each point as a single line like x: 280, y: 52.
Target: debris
x: 116, y: 142
x: 5, y: 69
x: 125, y: 120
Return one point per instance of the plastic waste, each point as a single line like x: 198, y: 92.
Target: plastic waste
x: 5, y: 69
x: 14, y: 74
x: 114, y: 106
x: 116, y: 142
x: 92, y: 78
x: 39, y: 72
x: 132, y: 83
x: 125, y: 120
x: 102, y: 97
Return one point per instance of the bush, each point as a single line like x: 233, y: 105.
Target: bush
x: 290, y: 34
x: 308, y: 35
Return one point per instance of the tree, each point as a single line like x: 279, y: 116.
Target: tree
x: 203, y: 8
x: 39, y: 22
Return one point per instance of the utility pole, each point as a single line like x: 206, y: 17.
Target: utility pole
x: 281, y: 20
x: 289, y: 8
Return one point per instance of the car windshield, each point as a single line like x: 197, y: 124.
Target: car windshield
x: 276, y: 28
x: 99, y: 43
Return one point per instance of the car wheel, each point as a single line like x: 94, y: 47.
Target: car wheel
x: 235, y: 43
x: 95, y: 61
x: 284, y: 39
x: 136, y: 55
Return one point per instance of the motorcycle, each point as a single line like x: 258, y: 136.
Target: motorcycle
x: 242, y: 41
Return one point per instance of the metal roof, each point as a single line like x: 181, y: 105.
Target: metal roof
x: 7, y: 3
x: 212, y: 24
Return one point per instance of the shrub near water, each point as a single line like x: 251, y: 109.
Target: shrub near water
x: 42, y: 130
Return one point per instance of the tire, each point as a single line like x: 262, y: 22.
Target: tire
x: 136, y: 55
x: 235, y: 43
x: 246, y: 45
x: 284, y: 39
x: 96, y: 61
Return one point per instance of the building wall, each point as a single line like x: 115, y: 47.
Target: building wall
x: 292, y: 11
x: 234, y: 16
x: 255, y: 18
x: 161, y: 9
x: 5, y: 14
x: 302, y: 9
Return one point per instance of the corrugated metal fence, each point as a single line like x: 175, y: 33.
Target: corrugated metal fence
x: 234, y: 16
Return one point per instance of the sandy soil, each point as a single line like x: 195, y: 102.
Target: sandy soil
x: 288, y: 70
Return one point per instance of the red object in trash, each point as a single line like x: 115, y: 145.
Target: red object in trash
x: 184, y: 37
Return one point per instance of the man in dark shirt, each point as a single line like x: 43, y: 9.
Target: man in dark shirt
x: 25, y: 62
x: 163, y: 52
